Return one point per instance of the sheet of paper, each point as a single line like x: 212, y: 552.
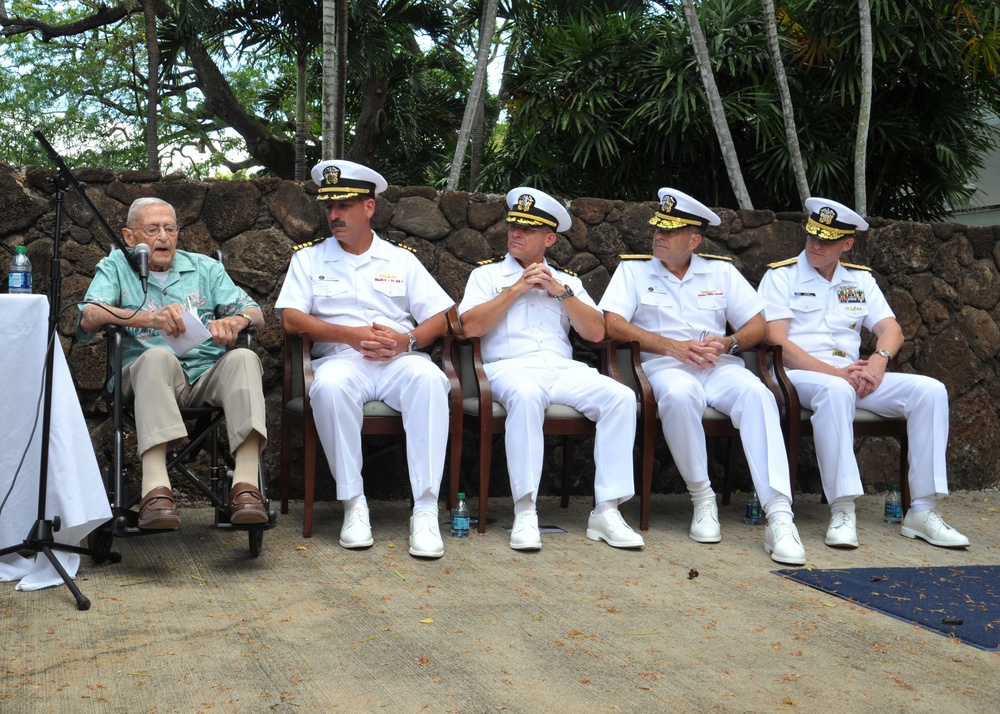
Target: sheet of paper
x: 195, y: 333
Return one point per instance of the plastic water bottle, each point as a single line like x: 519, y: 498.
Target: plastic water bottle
x: 893, y: 506
x: 460, y: 518
x: 753, y: 514
x: 19, y: 273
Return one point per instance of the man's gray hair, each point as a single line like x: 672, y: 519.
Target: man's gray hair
x: 140, y: 203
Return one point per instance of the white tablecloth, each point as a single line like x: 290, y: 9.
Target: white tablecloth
x: 75, y: 491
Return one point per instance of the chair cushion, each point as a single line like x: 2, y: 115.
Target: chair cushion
x: 714, y: 415
x: 859, y: 415
x: 296, y: 405
x: 379, y: 409
x: 470, y: 406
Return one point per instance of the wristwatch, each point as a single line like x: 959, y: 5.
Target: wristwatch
x: 884, y: 353
x: 735, y: 347
x: 568, y: 294
x: 247, y: 318
x: 413, y: 342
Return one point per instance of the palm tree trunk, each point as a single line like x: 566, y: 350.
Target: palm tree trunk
x: 787, y: 111
x: 329, y: 75
x: 715, y: 108
x: 864, y: 111
x: 152, y: 85
x: 486, y: 26
x: 301, y: 170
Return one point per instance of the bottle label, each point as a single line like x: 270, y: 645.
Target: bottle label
x: 753, y: 513
x: 460, y: 523
x: 18, y: 281
x: 894, y: 511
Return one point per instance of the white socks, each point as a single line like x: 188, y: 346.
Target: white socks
x: 154, y: 468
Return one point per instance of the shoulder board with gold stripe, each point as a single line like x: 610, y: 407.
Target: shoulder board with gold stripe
x: 634, y: 256
x: 562, y: 270
x: 783, y: 263
x: 709, y: 256
x: 488, y: 261
x: 308, y: 244
x: 852, y: 266
x: 401, y: 245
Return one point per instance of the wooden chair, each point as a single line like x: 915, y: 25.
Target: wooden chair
x: 463, y: 359
x: 379, y: 418
x: 626, y: 367
x: 797, y: 423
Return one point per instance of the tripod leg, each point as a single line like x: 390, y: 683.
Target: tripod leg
x: 82, y: 603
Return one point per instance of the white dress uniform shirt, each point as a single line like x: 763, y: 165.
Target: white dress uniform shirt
x: 528, y: 360
x: 711, y: 293
x: 826, y: 318
x: 386, y: 285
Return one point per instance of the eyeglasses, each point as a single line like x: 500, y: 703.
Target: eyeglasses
x: 152, y: 231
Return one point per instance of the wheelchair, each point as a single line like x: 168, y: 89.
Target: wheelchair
x: 203, y: 424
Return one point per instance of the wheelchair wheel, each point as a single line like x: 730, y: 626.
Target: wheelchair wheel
x: 256, y: 540
x: 100, y: 541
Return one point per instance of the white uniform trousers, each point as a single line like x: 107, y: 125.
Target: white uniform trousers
x: 526, y: 388
x: 411, y: 384
x: 682, y: 393
x: 922, y: 400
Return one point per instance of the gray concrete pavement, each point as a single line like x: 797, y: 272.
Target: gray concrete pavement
x: 188, y: 622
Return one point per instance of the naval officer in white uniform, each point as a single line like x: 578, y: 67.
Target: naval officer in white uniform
x: 368, y: 305
x: 676, y: 304
x: 816, y: 307
x: 523, y: 308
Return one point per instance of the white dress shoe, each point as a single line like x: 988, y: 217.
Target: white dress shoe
x: 524, y: 535
x: 781, y: 540
x: 613, y: 530
x: 357, y: 530
x: 705, y: 526
x: 931, y: 527
x: 843, y: 530
x: 425, y: 535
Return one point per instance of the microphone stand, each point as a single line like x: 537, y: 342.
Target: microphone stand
x: 40, y: 538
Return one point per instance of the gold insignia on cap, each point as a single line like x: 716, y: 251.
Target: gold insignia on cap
x: 525, y: 202
x: 827, y: 216
x: 331, y: 175
x: 668, y: 203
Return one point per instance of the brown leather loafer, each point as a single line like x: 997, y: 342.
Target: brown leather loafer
x: 246, y: 505
x: 157, y: 510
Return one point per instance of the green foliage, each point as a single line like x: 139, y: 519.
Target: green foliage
x: 602, y: 98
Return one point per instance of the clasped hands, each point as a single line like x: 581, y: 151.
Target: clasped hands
x: 380, y: 343
x: 539, y: 276
x: 169, y: 319
x: 704, y: 352
x: 864, y: 377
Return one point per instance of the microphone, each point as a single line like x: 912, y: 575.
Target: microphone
x: 140, y: 261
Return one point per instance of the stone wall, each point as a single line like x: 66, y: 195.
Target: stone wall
x: 941, y: 279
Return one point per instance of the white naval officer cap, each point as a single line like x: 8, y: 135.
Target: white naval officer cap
x: 339, y: 180
x: 530, y: 207
x: 678, y: 210
x: 829, y: 220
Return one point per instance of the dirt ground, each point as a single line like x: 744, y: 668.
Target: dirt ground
x: 189, y: 622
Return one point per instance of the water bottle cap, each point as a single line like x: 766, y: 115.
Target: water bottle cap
x: 894, y: 487
x: 461, y: 495
x: 20, y: 249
